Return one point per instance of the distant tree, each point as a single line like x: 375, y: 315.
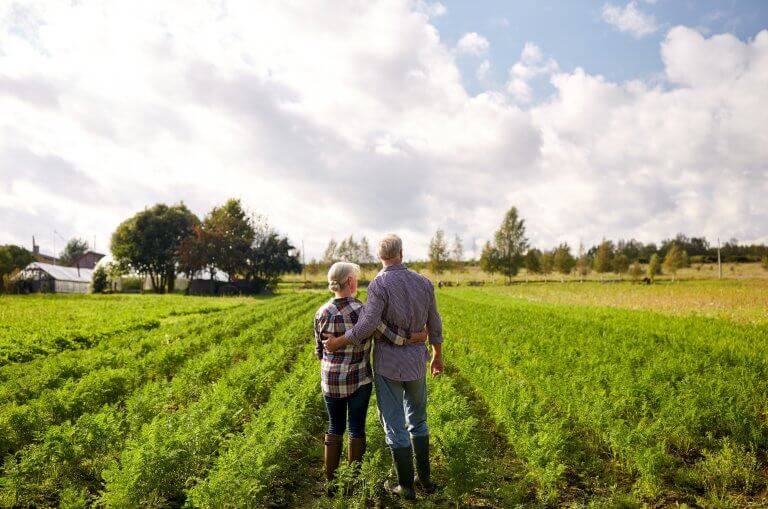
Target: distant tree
x: 313, y: 267
x: 547, y: 263
x: 457, y: 253
x: 604, y: 257
x: 365, y: 255
x: 12, y: 258
x: 350, y: 251
x: 149, y: 242
x: 563, y: 260
x: 510, y: 243
x: 345, y: 250
x: 532, y: 261
x: 229, y: 235
x: 685, y: 260
x: 438, y: 254
x: 330, y: 251
x: 764, y: 262
x: 582, y: 263
x: 270, y: 256
x: 100, y: 280
x: 621, y: 264
x: 196, y: 253
x: 673, y: 260
x: 5, y: 266
x: 114, y: 271
x: 654, y: 267
x: 696, y: 246
x: 648, y: 251
x: 632, y: 248
x: 74, y: 249
x: 489, y: 259
x: 635, y: 271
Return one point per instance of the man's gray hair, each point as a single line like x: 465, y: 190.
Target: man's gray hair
x: 390, y: 247
x: 339, y: 273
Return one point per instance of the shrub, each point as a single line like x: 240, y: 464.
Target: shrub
x: 99, y: 283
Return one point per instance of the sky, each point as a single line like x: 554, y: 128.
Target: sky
x: 610, y: 119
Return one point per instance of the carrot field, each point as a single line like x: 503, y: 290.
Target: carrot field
x: 548, y: 400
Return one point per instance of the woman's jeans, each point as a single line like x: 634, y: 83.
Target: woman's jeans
x: 356, y: 404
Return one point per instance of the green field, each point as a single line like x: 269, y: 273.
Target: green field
x: 576, y: 394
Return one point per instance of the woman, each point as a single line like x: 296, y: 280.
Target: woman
x: 346, y: 377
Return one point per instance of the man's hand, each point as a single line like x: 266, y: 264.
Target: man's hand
x: 332, y: 343
x: 437, y: 364
x: 418, y: 337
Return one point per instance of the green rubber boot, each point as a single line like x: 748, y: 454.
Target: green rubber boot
x: 421, y: 451
x: 402, y: 457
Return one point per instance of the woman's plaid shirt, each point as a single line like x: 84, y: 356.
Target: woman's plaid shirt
x: 345, y: 370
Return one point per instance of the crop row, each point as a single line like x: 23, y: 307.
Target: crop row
x: 160, y: 355
x: 610, y: 396
x: 261, y: 464
x: 277, y: 460
x: 39, y: 326
x: 21, y: 382
x: 169, y: 453
x: 69, y: 461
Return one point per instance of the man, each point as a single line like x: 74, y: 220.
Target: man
x: 405, y: 299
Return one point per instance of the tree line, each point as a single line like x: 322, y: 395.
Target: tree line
x: 162, y: 241
x: 509, y: 251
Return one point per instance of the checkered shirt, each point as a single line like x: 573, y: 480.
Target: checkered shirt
x: 348, y: 368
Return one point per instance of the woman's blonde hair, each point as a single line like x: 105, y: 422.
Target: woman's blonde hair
x: 339, y: 273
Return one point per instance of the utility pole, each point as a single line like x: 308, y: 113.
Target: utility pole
x: 303, y: 261
x: 54, y: 247
x: 719, y: 261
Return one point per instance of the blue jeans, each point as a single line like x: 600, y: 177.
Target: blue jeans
x: 356, y: 404
x: 402, y: 409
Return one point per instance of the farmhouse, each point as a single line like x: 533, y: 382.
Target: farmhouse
x: 40, y: 277
x: 88, y: 260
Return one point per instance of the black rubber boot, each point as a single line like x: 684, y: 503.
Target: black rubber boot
x: 402, y: 457
x: 421, y: 451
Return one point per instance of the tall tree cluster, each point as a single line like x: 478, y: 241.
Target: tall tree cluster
x: 439, y: 256
x: 149, y: 242
x: 162, y: 241
x: 505, y: 254
x: 509, y: 251
x: 563, y: 260
x: 348, y: 250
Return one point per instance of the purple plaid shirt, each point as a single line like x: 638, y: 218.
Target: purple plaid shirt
x: 404, y: 299
x: 347, y: 369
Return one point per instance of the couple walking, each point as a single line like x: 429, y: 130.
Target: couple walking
x: 392, y: 323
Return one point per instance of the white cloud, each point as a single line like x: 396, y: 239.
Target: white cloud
x: 657, y: 161
x: 629, y: 19
x: 483, y: 69
x: 431, y: 9
x: 690, y: 59
x: 530, y: 66
x: 473, y: 43
x: 364, y: 129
